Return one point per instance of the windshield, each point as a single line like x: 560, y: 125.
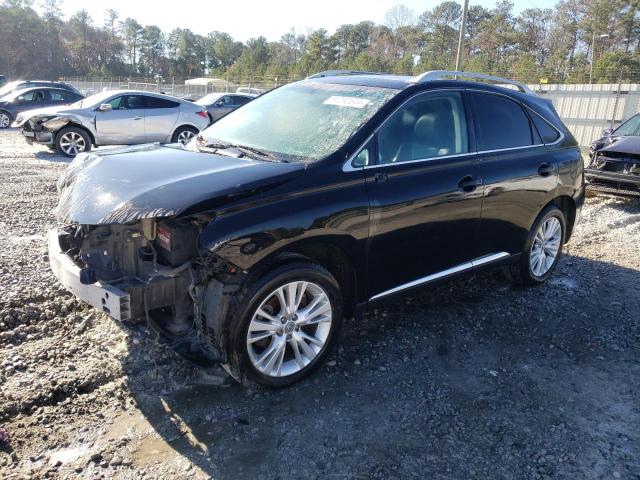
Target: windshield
x: 300, y: 121
x: 9, y: 87
x: 94, y: 100
x: 629, y: 128
x: 208, y: 99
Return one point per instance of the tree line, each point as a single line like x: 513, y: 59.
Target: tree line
x: 535, y: 45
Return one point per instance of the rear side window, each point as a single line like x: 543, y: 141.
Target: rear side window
x: 427, y: 126
x: 501, y: 123
x: 156, y: 102
x: 240, y: 100
x: 546, y: 131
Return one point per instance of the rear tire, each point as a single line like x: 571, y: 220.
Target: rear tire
x: 300, y: 337
x: 184, y: 134
x: 71, y: 141
x: 542, y: 250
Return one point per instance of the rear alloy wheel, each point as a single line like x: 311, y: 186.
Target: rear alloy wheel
x: 72, y: 141
x: 287, y: 323
x: 542, y: 250
x: 5, y: 120
x: 545, y: 247
x: 184, y: 135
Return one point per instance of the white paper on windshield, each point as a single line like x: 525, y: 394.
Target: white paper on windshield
x: 340, y: 101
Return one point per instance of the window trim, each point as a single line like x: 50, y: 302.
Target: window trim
x: 348, y: 167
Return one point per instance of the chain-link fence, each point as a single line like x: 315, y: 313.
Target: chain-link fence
x: 193, y: 88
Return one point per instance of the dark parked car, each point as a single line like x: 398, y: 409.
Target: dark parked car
x: 313, y: 202
x: 23, y: 84
x: 614, y: 165
x: 219, y: 104
x: 31, y: 98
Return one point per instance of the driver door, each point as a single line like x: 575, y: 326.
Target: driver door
x: 124, y: 123
x: 425, y: 193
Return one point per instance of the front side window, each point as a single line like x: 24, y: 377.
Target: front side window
x: 127, y: 102
x: 428, y: 126
x: 629, y: 128
x: 303, y: 121
x: 501, y: 123
x: 27, y: 97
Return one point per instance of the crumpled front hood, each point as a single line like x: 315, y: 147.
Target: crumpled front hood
x: 630, y: 145
x: 122, y: 185
x: 46, y: 111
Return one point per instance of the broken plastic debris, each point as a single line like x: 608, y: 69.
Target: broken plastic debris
x: 4, y: 437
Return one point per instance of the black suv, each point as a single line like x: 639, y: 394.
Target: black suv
x: 314, y: 201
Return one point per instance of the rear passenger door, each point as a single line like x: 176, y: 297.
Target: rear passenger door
x: 161, y: 116
x: 520, y: 175
x: 425, y: 191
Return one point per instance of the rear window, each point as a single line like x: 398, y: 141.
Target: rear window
x: 546, y: 131
x: 156, y: 102
x: 501, y: 123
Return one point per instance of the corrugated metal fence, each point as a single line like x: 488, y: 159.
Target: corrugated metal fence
x: 588, y: 109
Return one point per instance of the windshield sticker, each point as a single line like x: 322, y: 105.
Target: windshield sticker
x: 353, y: 102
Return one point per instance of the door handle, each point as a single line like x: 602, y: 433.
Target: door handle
x: 545, y: 170
x: 469, y: 183
x: 137, y: 118
x: 380, y: 177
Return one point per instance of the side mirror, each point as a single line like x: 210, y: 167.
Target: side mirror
x: 20, y: 99
x: 607, y: 131
x: 105, y: 107
x: 220, y: 104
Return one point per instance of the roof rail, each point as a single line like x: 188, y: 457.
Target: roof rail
x: 440, y: 74
x: 336, y: 73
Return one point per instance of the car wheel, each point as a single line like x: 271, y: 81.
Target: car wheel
x: 5, y: 119
x: 542, y: 249
x: 184, y: 135
x: 71, y: 141
x: 290, y: 321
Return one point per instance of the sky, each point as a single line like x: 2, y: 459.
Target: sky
x: 252, y: 18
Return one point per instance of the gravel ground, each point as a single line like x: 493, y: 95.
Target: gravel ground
x: 474, y: 379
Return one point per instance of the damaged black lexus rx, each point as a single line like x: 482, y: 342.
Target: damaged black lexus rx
x: 248, y: 246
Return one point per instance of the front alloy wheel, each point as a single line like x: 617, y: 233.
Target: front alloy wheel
x: 71, y: 141
x: 289, y: 329
x: 5, y: 120
x: 284, y: 323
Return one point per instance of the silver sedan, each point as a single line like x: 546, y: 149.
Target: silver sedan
x: 118, y: 117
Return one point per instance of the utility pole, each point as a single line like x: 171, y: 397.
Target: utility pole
x: 463, y: 27
x: 593, y: 53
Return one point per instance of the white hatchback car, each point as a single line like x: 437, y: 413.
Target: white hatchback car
x: 117, y: 117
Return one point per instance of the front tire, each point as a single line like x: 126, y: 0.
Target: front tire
x: 71, y: 141
x: 5, y: 119
x: 542, y: 250
x: 285, y: 325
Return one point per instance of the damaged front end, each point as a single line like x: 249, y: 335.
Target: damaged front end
x: 614, y: 172
x: 41, y: 128
x: 152, y: 271
x: 130, y: 237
